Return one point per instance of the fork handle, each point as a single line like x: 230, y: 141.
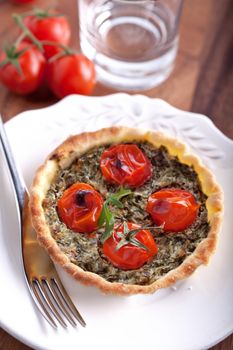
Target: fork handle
x: 19, y: 185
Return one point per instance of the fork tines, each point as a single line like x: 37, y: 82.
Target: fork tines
x: 54, y: 301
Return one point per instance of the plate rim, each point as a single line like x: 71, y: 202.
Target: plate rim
x: 69, y: 99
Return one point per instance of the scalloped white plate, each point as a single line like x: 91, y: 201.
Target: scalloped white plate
x: 193, y: 315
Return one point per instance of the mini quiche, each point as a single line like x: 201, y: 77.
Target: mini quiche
x: 126, y: 210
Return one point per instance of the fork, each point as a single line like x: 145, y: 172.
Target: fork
x: 41, y: 276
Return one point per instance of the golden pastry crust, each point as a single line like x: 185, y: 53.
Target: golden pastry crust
x: 77, y: 145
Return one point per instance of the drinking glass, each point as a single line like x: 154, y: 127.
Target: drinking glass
x: 133, y: 43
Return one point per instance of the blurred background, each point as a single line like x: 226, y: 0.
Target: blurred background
x: 202, y: 80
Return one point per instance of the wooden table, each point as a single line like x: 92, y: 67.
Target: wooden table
x: 202, y: 80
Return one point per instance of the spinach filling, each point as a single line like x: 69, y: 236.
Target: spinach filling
x: 85, y: 250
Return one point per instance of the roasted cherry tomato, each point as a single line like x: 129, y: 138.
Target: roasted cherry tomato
x: 49, y: 26
x: 125, y: 164
x: 80, y: 207
x: 174, y: 208
x: 71, y: 74
x: 130, y: 256
x: 25, y: 69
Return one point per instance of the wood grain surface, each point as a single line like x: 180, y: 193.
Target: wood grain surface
x: 202, y: 80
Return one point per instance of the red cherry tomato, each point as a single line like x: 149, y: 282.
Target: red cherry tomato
x: 174, y: 208
x: 32, y: 66
x: 50, y: 28
x: 21, y: 2
x: 71, y: 74
x: 80, y: 207
x: 129, y: 256
x: 125, y: 164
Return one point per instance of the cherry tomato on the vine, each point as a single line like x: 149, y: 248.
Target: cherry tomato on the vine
x: 24, y: 70
x: 130, y: 256
x: 22, y: 2
x: 174, y: 208
x: 80, y: 207
x: 125, y: 164
x: 46, y: 26
x: 71, y: 74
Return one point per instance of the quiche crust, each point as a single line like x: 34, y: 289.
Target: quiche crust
x: 77, y: 145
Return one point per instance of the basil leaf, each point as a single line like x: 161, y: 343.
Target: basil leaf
x: 109, y: 226
x: 103, y: 215
x: 106, y: 217
x: 121, y: 193
x: 115, y: 202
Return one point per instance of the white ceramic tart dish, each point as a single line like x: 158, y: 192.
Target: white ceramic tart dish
x: 77, y: 146
x: 196, y: 312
